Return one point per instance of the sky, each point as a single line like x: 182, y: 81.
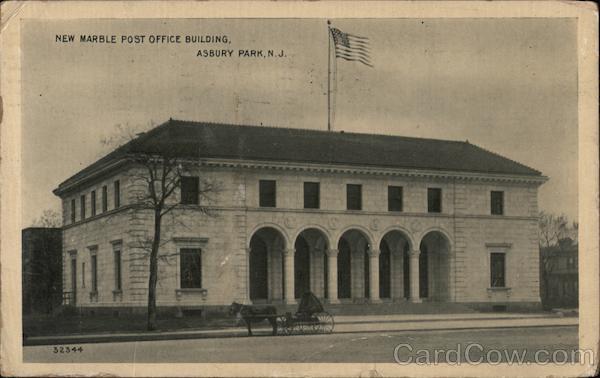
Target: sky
x: 507, y: 85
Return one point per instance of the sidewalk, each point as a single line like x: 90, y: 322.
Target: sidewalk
x: 343, y: 324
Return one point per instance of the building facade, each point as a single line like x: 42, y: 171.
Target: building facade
x: 354, y: 218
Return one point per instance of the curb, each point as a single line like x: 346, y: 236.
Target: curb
x: 68, y: 340
x: 445, y: 320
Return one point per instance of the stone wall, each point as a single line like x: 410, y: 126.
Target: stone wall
x: 224, y: 236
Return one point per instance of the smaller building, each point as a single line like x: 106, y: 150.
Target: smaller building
x: 559, y: 273
x: 42, y: 269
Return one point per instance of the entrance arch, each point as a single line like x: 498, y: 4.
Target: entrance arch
x: 301, y: 267
x: 434, y: 267
x: 265, y: 265
x: 353, y: 265
x: 394, y: 279
x: 310, y: 263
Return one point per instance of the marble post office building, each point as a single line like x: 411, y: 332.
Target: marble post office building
x: 354, y: 218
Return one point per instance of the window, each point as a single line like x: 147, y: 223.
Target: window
x: 311, y: 195
x: 118, y: 280
x: 353, y: 197
x: 497, y: 202
x: 267, y: 193
x: 73, y: 211
x: 394, y: 198
x: 190, y: 190
x: 191, y: 268
x: 93, y: 202
x: 434, y: 200
x: 497, y: 269
x: 82, y: 204
x: 570, y: 262
x: 117, y: 187
x: 104, y: 199
x: 94, y: 273
x: 82, y: 274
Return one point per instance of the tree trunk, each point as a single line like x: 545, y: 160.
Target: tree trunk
x: 153, y: 272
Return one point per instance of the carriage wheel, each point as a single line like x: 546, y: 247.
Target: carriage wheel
x: 283, y: 326
x: 326, y: 322
x: 316, y: 325
x: 301, y: 328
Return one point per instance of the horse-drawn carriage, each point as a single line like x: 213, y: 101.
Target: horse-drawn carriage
x: 310, y: 317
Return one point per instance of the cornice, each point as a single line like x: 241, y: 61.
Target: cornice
x: 322, y: 168
x: 70, y: 184
x: 372, y: 171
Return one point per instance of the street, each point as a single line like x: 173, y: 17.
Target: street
x: 367, y: 347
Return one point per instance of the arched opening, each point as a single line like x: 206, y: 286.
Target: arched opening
x: 259, y: 270
x: 344, y: 269
x: 310, y: 263
x: 301, y: 267
x: 434, y: 267
x: 385, y: 276
x: 266, y: 265
x: 394, y: 266
x: 353, y: 266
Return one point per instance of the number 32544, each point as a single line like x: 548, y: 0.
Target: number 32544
x: 67, y: 349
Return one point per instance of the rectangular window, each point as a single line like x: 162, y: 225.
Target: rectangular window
x: 73, y: 299
x: 117, y: 188
x: 353, y: 197
x: 104, y: 199
x: 73, y: 211
x: 94, y: 273
x: 93, y: 202
x: 117, y: 269
x: 267, y: 193
x: 497, y: 269
x: 311, y: 195
x: 190, y: 190
x: 190, y: 268
x: 394, y: 198
x: 82, y: 204
x: 497, y: 202
x: 434, y: 200
x: 82, y: 274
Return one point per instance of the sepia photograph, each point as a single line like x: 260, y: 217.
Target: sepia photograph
x: 328, y: 189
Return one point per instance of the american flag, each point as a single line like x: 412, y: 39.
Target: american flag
x: 351, y: 47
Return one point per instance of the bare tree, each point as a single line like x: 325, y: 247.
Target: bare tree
x: 160, y: 172
x: 555, y: 234
x: 552, y: 228
x: 49, y: 218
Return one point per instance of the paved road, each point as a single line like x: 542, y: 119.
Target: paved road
x: 356, y: 347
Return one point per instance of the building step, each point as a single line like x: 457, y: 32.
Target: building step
x: 387, y: 308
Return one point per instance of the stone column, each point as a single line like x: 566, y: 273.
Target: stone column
x: 332, y: 275
x: 247, y: 288
x: 288, y: 255
x: 374, y: 275
x: 414, y: 276
x: 451, y: 295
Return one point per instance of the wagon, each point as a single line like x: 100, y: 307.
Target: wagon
x: 311, y: 317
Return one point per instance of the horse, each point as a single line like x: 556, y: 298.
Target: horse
x: 254, y: 314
